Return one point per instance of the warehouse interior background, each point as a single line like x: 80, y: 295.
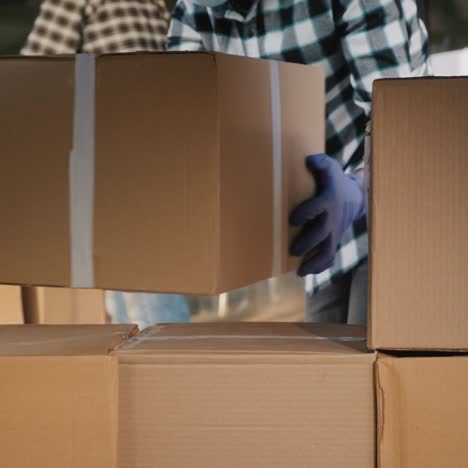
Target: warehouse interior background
x: 279, y: 299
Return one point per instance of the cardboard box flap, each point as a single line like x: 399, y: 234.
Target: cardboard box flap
x: 253, y: 338
x: 62, y: 340
x: 422, y: 411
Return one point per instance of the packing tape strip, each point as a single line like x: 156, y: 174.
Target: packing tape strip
x: 81, y: 174
x: 277, y: 168
x: 248, y: 337
x: 134, y: 341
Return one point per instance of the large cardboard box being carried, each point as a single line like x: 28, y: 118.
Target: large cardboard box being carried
x: 422, y: 411
x: 11, y: 305
x: 419, y: 215
x: 154, y: 172
x: 198, y: 396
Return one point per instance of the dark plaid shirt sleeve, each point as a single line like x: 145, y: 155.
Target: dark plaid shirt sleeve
x: 380, y: 39
x: 354, y: 41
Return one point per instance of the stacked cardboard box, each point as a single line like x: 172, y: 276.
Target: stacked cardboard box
x: 239, y: 395
x: 37, y: 305
x: 419, y: 257
x: 201, y: 221
x: 11, y: 305
x: 64, y: 306
x: 200, y: 395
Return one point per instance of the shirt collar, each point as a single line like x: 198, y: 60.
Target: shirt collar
x: 237, y: 10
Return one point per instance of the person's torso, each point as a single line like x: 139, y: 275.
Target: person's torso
x: 302, y: 32
x: 115, y: 26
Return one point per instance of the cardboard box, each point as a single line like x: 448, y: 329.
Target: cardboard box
x: 11, y: 305
x: 419, y: 215
x: 195, y: 395
x: 58, y: 395
x: 188, y: 185
x: 55, y: 306
x: 422, y: 411
x: 246, y: 395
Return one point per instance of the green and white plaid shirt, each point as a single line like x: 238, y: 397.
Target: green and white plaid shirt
x: 354, y: 41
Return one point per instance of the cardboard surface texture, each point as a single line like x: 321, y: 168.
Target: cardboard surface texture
x: 422, y: 411
x: 58, y: 396
x: 183, y: 169
x: 419, y: 215
x: 246, y: 395
x: 11, y: 305
x: 234, y: 395
x: 56, y: 306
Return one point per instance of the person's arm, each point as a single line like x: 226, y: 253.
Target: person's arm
x: 57, y: 28
x: 380, y: 39
x: 183, y: 32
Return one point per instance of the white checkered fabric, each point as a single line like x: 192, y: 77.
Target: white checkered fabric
x: 354, y: 41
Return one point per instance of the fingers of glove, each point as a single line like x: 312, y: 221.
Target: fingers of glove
x: 308, y: 210
x: 311, y: 235
x: 324, y: 168
x: 318, y: 162
x: 321, y: 261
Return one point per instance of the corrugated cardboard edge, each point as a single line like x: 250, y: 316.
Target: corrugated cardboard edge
x: 430, y: 350
x: 372, y: 342
x: 388, y: 413
x: 371, y: 210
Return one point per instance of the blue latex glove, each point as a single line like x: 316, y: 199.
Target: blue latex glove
x: 340, y: 201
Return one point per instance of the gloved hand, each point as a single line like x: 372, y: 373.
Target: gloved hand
x: 340, y: 201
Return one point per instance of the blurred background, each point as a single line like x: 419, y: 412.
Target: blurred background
x: 280, y: 299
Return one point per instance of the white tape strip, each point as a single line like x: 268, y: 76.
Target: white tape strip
x: 134, y: 341
x: 81, y: 174
x: 249, y: 337
x: 277, y: 168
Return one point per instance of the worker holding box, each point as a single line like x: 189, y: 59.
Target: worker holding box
x: 355, y: 42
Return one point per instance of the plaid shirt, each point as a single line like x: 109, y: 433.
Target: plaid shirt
x: 98, y: 26
x: 354, y: 41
